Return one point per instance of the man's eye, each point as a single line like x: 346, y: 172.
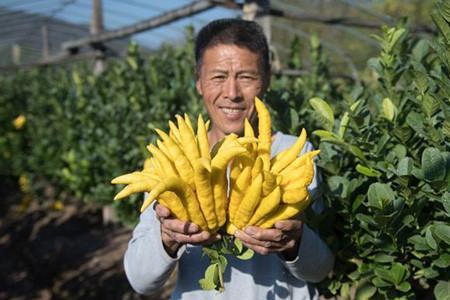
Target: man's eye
x: 246, y: 78
x: 218, y: 78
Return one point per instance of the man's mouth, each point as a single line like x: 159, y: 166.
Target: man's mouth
x: 229, y: 110
x: 232, y: 110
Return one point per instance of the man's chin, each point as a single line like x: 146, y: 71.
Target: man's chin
x: 239, y: 131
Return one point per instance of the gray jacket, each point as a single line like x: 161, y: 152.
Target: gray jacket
x: 148, y: 266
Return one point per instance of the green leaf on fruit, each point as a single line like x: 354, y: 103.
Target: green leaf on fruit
x: 246, y: 254
x: 211, y: 279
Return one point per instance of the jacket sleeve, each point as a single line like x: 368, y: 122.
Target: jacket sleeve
x: 314, y: 260
x: 146, y: 262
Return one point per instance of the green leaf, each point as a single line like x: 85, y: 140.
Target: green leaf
x: 369, y: 172
x: 446, y: 128
x: 357, y: 203
x: 375, y: 64
x: 446, y: 202
x: 211, y: 279
x: 405, y: 166
x: 433, y: 165
x: 355, y: 106
x: 443, y: 232
x: 239, y: 245
x: 366, y: 219
x: 246, y: 255
x: 403, y: 287
x: 442, y: 25
x: 430, y: 239
x: 365, y: 292
x: 383, y: 258
x: 442, y: 290
x: 380, y: 283
x: 396, y: 36
x: 430, y: 105
x: 357, y: 152
x: 443, y: 261
x: 380, y: 195
x: 445, y: 10
x: 384, y: 273
x: 418, y: 173
x: 223, y: 262
x: 211, y: 253
x: 421, y: 82
x: 400, y: 151
x: 343, y: 125
x: 338, y: 186
x: 389, y: 110
x: 429, y: 273
x: 420, y: 50
x: 294, y: 119
x: 324, y: 110
x: 398, y: 272
x: 345, y: 291
x: 403, y: 133
x: 416, y: 121
x: 324, y: 134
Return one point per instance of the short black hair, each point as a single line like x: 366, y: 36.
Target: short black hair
x: 242, y: 33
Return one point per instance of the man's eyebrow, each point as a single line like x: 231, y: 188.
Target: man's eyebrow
x: 253, y: 72
x: 218, y: 71
x: 222, y: 71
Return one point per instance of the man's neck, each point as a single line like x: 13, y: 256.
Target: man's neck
x: 214, y: 136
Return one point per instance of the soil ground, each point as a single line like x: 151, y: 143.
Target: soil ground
x: 67, y: 254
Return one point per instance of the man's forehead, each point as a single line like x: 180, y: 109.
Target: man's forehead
x: 230, y: 54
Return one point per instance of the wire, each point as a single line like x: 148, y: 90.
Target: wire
x: 331, y: 47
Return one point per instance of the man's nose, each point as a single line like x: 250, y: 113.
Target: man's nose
x: 232, y: 89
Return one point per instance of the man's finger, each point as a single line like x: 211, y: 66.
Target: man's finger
x: 202, y: 237
x: 162, y: 211
x: 272, y: 235
x: 289, y: 225
x: 244, y: 237
x: 258, y: 249
x: 179, y: 226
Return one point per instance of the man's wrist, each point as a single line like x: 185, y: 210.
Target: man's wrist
x: 170, y: 245
x: 291, y: 253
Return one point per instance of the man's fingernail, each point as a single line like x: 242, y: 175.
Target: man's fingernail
x: 218, y: 236
x: 192, y: 228
x: 250, y: 230
x: 237, y: 233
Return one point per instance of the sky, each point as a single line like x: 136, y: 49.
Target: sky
x: 118, y: 13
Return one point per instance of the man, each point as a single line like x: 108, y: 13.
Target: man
x: 233, y: 67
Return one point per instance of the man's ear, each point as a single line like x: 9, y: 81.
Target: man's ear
x: 198, y: 86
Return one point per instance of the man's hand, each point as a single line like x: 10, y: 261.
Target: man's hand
x: 284, y: 238
x: 175, y: 233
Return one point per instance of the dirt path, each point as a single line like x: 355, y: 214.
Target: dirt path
x: 64, y: 254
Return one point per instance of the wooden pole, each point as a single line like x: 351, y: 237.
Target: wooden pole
x: 96, y: 28
x: 45, y: 45
x: 16, y: 54
x: 259, y: 11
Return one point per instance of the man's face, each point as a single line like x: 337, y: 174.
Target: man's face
x: 229, y: 79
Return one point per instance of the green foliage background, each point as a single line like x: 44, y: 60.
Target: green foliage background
x: 384, y: 147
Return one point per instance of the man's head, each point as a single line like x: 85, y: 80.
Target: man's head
x: 241, y: 33
x: 232, y: 68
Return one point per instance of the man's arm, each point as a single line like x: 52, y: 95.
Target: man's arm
x: 158, y: 242
x: 314, y: 260
x: 147, y: 264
